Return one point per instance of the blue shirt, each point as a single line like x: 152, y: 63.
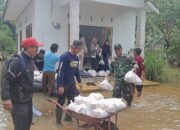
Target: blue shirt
x: 69, y: 64
x: 50, y: 60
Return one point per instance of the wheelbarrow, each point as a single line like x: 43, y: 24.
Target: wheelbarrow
x: 88, y: 120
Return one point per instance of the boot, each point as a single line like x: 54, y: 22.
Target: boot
x: 58, y: 116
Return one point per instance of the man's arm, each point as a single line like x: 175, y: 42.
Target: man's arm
x: 112, y: 67
x: 60, y: 77
x: 7, y: 77
x: 77, y: 74
x: 61, y: 72
x: 78, y: 77
x: 12, y: 72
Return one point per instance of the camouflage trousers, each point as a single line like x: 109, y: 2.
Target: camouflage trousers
x: 123, y: 90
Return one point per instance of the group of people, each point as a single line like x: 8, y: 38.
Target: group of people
x: 17, y: 86
x: 98, y: 54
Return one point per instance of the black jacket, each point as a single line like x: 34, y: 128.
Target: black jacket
x: 18, y: 89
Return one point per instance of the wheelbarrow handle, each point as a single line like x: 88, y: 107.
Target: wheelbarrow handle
x: 59, y: 105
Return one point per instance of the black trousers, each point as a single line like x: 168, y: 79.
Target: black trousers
x: 106, y: 62
x: 94, y: 63
x: 22, y: 115
x: 69, y: 92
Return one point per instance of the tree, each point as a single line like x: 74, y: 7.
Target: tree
x: 164, y: 26
x: 7, y: 34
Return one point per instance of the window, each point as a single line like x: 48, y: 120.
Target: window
x: 29, y: 30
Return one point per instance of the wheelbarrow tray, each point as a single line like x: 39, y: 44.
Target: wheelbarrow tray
x: 85, y: 118
x: 90, y: 121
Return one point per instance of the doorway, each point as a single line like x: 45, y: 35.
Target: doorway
x: 101, y: 33
x: 88, y: 32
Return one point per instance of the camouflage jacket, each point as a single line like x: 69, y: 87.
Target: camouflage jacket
x: 119, y: 67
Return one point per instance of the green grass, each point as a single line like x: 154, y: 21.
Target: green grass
x: 170, y: 74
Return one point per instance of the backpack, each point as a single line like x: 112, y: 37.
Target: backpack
x: 5, y: 68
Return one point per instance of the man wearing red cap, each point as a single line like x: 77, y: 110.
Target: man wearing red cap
x: 17, y: 86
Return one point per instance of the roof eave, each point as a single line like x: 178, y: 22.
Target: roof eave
x: 152, y: 6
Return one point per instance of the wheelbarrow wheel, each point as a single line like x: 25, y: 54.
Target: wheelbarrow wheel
x: 113, y: 126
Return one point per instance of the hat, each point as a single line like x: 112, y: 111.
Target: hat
x: 76, y: 43
x: 117, y: 46
x: 30, y: 41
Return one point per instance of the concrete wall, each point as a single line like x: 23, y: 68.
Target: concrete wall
x: 124, y: 31
x: 121, y: 19
x: 24, y: 19
x: 44, y: 30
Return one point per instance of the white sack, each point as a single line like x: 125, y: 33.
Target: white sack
x: 101, y: 73
x: 36, y: 73
x: 131, y: 77
x: 92, y: 73
x: 112, y: 104
x: 105, y: 85
x: 82, y: 108
x: 98, y: 113
x: 97, y: 96
x: 101, y: 62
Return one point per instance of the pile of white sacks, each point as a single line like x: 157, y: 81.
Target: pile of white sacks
x: 37, y: 76
x: 100, y: 73
x: 96, y: 106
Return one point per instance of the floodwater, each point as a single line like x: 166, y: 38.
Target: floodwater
x: 157, y: 109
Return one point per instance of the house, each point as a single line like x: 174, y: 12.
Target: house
x: 61, y: 21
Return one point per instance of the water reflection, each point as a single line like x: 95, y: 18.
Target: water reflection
x: 158, y: 109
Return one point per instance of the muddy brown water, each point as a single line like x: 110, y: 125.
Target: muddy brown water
x: 157, y: 109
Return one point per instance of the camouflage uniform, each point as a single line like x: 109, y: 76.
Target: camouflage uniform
x: 119, y: 67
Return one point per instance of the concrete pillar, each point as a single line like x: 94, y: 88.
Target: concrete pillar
x: 74, y: 20
x: 140, y: 33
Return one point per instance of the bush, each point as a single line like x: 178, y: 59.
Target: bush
x: 153, y: 66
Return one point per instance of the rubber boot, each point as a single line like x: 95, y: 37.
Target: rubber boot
x: 58, y: 116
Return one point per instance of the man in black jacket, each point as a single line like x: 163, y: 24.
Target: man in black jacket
x: 17, y: 90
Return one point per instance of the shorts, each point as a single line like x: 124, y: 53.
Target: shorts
x: 48, y: 79
x: 138, y: 87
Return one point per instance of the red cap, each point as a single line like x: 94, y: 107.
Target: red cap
x: 30, y: 41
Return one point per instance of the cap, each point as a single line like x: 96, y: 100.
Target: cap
x: 117, y: 46
x: 76, y: 43
x: 30, y: 41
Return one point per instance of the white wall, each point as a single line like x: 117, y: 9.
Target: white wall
x: 39, y: 14
x: 123, y: 21
x: 124, y: 31
x: 44, y: 30
x: 24, y: 19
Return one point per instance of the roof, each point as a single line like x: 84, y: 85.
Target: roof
x: 15, y: 12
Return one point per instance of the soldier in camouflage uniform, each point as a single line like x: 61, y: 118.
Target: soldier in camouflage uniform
x: 118, y: 68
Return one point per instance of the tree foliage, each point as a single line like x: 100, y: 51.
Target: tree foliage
x: 7, y: 34
x: 165, y: 27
